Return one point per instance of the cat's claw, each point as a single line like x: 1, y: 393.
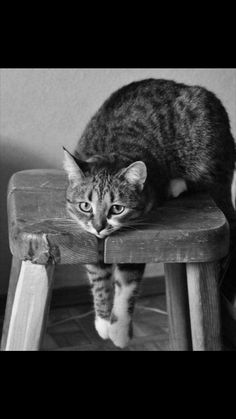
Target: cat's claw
x: 102, y: 327
x: 120, y: 333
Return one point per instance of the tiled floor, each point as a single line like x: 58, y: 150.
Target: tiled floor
x: 67, y: 331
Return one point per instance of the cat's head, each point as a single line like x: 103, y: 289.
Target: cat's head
x: 103, y: 199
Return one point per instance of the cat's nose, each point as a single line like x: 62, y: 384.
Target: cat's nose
x: 99, y: 226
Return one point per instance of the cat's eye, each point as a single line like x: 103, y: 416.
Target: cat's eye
x: 85, y: 207
x: 117, y: 209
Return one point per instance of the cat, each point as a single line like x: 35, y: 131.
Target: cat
x: 151, y: 140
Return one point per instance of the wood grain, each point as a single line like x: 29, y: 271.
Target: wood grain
x: 14, y: 275
x: 204, y: 303
x: 187, y: 229
x: 30, y: 307
x: 178, y: 308
x: 40, y: 229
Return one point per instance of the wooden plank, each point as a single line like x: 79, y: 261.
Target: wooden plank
x: 204, y: 303
x: 178, y: 308
x: 14, y: 275
x: 30, y: 307
x: 38, y: 179
x: 188, y: 229
x: 40, y: 229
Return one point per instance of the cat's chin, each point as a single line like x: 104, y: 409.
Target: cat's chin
x: 102, y: 235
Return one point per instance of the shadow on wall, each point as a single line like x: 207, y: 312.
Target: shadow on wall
x: 13, y: 158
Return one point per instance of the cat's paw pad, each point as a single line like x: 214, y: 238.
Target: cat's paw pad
x: 102, y: 327
x: 120, y: 332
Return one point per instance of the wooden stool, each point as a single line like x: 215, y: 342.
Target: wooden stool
x: 190, y: 235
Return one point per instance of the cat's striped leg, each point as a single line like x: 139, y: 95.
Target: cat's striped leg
x: 100, y: 278
x: 126, y: 278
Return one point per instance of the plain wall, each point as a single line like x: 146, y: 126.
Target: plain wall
x: 43, y: 109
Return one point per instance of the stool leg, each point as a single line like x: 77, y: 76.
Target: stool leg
x: 14, y: 275
x: 204, y: 302
x: 177, y: 306
x: 30, y: 307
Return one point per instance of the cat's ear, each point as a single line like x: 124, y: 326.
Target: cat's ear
x: 136, y: 174
x: 72, y: 167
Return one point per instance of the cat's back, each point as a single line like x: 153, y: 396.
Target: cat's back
x: 126, y: 112
x: 142, y: 92
x: 148, y: 114
x: 137, y: 97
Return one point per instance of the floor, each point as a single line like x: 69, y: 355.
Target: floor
x: 72, y: 329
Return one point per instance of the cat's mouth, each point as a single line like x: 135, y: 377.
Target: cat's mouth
x: 104, y: 233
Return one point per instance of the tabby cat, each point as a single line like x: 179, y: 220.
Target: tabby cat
x: 150, y: 140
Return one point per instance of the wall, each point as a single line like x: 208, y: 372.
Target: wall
x: 43, y: 109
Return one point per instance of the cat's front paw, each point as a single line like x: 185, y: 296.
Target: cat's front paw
x: 120, y: 331
x: 102, y: 327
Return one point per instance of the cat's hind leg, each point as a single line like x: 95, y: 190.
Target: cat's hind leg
x: 100, y: 278
x: 126, y: 278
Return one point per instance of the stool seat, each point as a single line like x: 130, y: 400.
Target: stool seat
x: 188, y: 229
x: 190, y: 235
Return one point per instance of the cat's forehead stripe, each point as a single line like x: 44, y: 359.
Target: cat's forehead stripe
x: 102, y: 187
x: 112, y: 196
x: 101, y: 195
x: 90, y: 195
